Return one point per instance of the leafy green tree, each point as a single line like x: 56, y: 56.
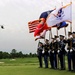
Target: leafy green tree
x: 13, y: 53
x: 1, y: 54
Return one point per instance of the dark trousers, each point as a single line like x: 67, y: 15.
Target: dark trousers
x: 55, y: 60
x: 62, y: 60
x: 73, y: 59
x: 46, y: 61
x: 40, y: 61
x: 52, y: 59
x: 70, y: 61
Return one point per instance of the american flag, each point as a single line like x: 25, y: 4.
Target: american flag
x: 32, y: 25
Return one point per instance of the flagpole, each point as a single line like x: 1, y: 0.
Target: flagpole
x: 70, y: 27
x: 57, y: 31
x: 65, y: 31
x: 71, y: 18
x: 71, y: 31
x: 57, y: 54
x: 64, y: 27
x: 49, y: 35
x: 65, y: 35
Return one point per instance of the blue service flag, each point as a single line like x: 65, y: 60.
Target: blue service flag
x: 61, y: 25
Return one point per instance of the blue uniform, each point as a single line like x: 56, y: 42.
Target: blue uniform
x: 46, y: 54
x: 62, y: 54
x: 69, y: 41
x: 39, y: 51
x: 73, y: 53
x: 51, y: 55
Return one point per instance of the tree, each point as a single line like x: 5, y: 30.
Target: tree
x: 30, y: 54
x: 13, y: 53
x: 1, y: 54
x: 6, y: 55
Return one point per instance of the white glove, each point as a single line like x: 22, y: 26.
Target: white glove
x: 71, y: 50
x: 58, y: 51
x: 52, y: 51
x: 43, y: 51
x: 67, y: 51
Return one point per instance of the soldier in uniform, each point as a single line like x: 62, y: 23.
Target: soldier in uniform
x: 56, y: 47
x: 39, y: 53
x: 46, y: 54
x: 69, y: 51
x: 62, y: 43
x: 73, y: 48
x: 51, y: 55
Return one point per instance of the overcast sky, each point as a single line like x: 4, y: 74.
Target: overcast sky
x: 15, y: 15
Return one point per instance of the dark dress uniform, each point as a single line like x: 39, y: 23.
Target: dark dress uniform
x: 51, y: 55
x: 69, y: 41
x: 46, y: 54
x: 73, y: 53
x: 39, y: 54
x: 62, y: 52
x: 56, y: 46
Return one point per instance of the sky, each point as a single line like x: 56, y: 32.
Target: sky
x: 15, y: 15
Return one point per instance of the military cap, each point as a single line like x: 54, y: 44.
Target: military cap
x: 61, y: 36
x: 40, y: 43
x: 55, y: 36
x: 69, y: 32
x: 73, y: 33
x: 46, y: 40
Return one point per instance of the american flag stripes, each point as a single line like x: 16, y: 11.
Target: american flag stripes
x: 32, y: 25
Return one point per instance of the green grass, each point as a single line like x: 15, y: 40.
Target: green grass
x: 27, y: 66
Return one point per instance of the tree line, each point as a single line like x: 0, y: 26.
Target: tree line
x: 15, y: 54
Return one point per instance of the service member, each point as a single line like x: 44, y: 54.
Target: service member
x: 73, y: 48
x: 62, y: 44
x: 46, y: 54
x: 39, y: 54
x: 51, y: 55
x: 69, y: 51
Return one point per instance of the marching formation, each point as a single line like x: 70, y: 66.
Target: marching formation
x: 55, y: 51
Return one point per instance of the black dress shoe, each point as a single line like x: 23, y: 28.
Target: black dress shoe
x: 62, y: 69
x: 39, y: 67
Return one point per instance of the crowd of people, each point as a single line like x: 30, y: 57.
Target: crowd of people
x: 55, y: 51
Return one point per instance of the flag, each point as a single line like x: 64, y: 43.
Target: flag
x: 61, y: 25
x: 59, y: 15
x: 42, y: 25
x: 32, y: 25
x: 40, y: 28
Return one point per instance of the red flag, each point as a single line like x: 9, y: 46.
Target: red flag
x: 40, y: 28
x: 32, y: 25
